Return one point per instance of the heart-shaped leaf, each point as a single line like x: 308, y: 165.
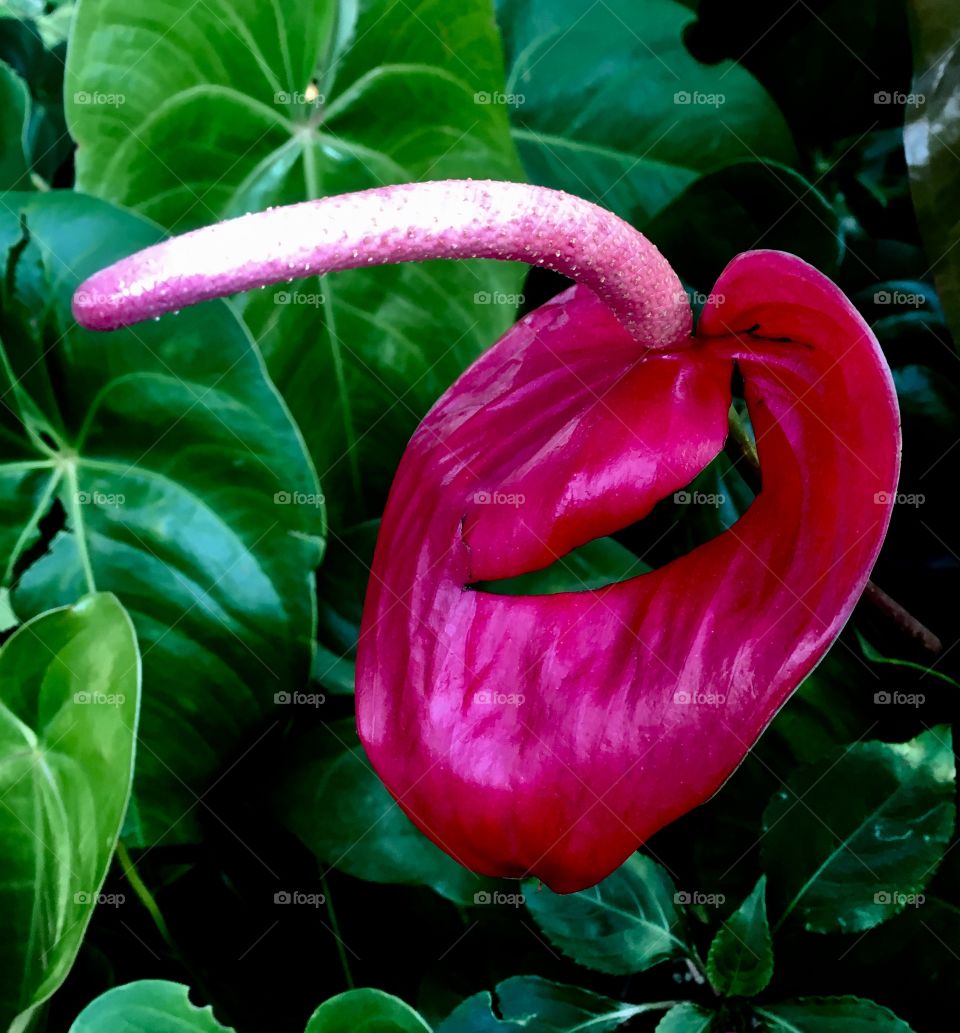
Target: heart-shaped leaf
x: 624, y: 924
x: 147, y: 1006
x: 853, y: 839
x: 366, y: 1011
x: 69, y: 699
x: 162, y: 465
x: 740, y: 962
x: 607, y: 102
x: 331, y: 97
x: 832, y: 1015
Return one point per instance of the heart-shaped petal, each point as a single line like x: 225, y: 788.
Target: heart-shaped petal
x: 551, y: 735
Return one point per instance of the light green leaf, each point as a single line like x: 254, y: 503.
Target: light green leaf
x: 831, y: 1015
x: 854, y: 839
x: 69, y: 699
x: 253, y: 104
x: 607, y: 102
x: 366, y: 1011
x: 168, y: 471
x: 531, y: 1003
x: 330, y: 797
x: 740, y: 962
x: 627, y: 923
x: 147, y: 1006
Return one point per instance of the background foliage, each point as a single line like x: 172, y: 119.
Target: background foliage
x: 199, y: 497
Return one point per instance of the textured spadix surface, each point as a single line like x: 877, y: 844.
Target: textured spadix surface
x: 552, y: 735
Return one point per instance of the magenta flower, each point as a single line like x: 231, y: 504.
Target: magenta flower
x: 551, y: 735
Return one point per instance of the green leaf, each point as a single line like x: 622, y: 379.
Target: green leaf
x: 14, y: 126
x: 366, y: 1011
x: 607, y: 102
x: 625, y: 924
x: 853, y: 839
x: 529, y: 1002
x: 832, y: 1015
x: 252, y: 104
x: 603, y: 561
x: 745, y: 205
x: 69, y: 698
x: 931, y: 139
x: 166, y: 469
x: 330, y: 797
x: 740, y: 962
x: 147, y: 1006
x: 685, y: 1018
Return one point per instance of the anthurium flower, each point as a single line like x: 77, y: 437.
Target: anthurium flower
x: 551, y: 735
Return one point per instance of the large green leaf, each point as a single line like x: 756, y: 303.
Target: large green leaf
x: 531, y: 1003
x: 69, y: 699
x: 624, y: 924
x: 332, y: 799
x: 831, y: 1015
x: 231, y: 106
x: 167, y: 469
x: 931, y: 140
x: 854, y: 838
x: 607, y: 102
x: 740, y: 962
x: 366, y: 1011
x: 685, y: 1018
x: 147, y: 1006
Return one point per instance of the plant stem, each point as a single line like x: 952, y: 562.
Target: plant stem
x: 332, y: 915
x: 875, y: 596
x: 405, y: 223
x: 146, y: 897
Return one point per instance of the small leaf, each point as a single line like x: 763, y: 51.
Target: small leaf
x: 853, y: 839
x: 740, y: 962
x: 366, y: 1011
x: 831, y: 1015
x: 526, y: 1003
x: 147, y: 1006
x: 69, y: 699
x: 685, y: 1018
x: 627, y: 923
